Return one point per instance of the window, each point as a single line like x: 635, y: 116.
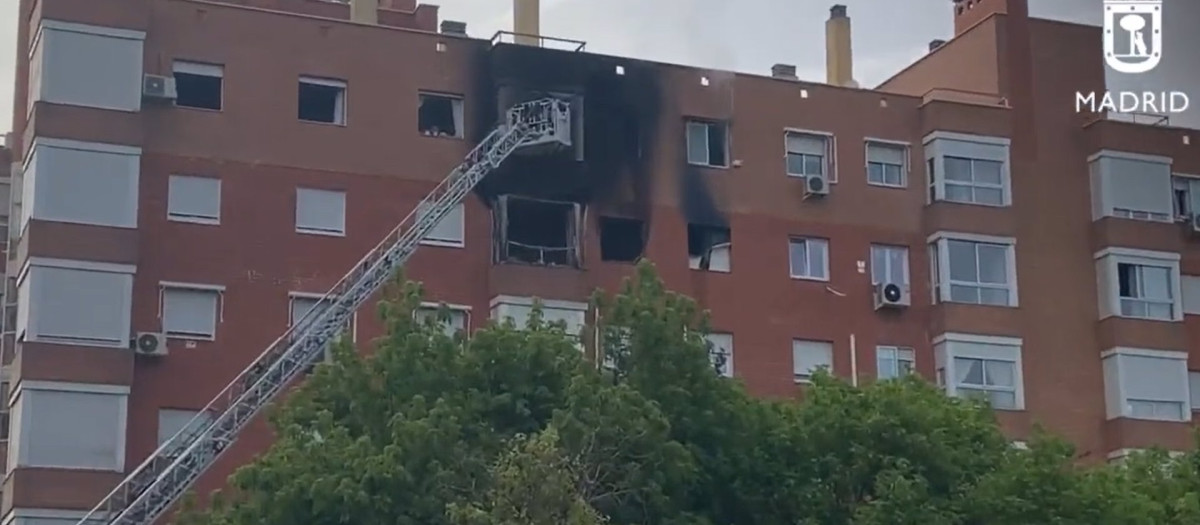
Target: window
x: 4, y: 419
x: 69, y: 425
x: 456, y: 322
x: 720, y: 352
x: 198, y: 85
x: 75, y: 302
x: 320, y: 212
x: 194, y: 199
x: 172, y: 421
x: 621, y: 239
x: 887, y: 164
x: 985, y: 367
x: 1194, y: 390
x: 968, y: 169
x: 440, y: 115
x: 1190, y: 294
x: 300, y: 303
x: 571, y: 313
x: 1145, y: 291
x: 707, y: 143
x: 809, y: 154
x: 322, y: 100
x: 974, y: 269
x: 808, y: 357
x: 65, y: 59
x: 81, y: 183
x: 710, y: 248
x: 191, y: 311
x: 894, y: 361
x: 889, y: 264
x: 1146, y: 384
x: 1132, y: 186
x: 450, y: 231
x: 1139, y: 284
x: 1185, y: 191
x: 809, y: 259
x: 538, y: 232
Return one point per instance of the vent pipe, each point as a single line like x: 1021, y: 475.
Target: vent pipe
x: 527, y: 22
x: 364, y: 11
x: 839, y: 59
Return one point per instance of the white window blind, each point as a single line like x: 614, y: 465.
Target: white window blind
x: 81, y: 305
x: 806, y: 143
x: 194, y: 199
x: 450, y: 231
x: 190, y: 312
x: 1155, y: 381
x: 81, y: 430
x: 320, y: 211
x: 808, y: 356
x: 1137, y: 185
x: 885, y: 153
x: 171, y: 421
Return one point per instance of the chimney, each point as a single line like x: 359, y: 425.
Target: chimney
x: 453, y: 27
x: 527, y: 21
x: 786, y: 71
x: 839, y: 60
x: 364, y: 11
x: 934, y: 44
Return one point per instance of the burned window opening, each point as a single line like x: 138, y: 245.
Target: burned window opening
x: 322, y: 100
x: 538, y: 232
x: 440, y: 115
x: 621, y: 240
x: 709, y: 248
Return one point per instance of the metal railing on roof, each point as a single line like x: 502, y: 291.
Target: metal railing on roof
x: 965, y: 97
x: 548, y: 42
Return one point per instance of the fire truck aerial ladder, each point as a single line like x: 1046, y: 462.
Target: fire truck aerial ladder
x: 150, y: 489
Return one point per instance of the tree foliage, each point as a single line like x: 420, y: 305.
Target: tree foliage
x: 513, y: 426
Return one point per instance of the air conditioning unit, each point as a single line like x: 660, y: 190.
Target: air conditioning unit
x: 892, y: 295
x: 158, y: 87
x: 150, y: 343
x: 816, y: 186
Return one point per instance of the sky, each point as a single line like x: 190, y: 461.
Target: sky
x: 751, y: 35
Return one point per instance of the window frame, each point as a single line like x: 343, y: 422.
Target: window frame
x: 807, y: 241
x: 1117, y: 399
x: 1108, y: 263
x: 453, y: 307
x: 315, y: 296
x: 29, y: 312
x: 708, y: 124
x: 1101, y: 191
x: 214, y: 220
x: 907, y: 270
x: 897, y: 354
x: 460, y: 114
x: 218, y: 308
x: 1189, y: 186
x: 310, y: 230
x: 941, y: 145
x: 939, y: 244
x: 905, y: 167
x: 828, y: 157
x: 341, y: 109
x: 19, y: 431
x: 806, y: 378
x: 950, y: 347
x: 728, y: 371
x: 200, y: 69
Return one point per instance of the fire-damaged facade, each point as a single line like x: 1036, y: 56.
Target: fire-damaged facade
x: 197, y: 173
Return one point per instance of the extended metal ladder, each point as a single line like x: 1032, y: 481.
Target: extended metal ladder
x: 148, y: 491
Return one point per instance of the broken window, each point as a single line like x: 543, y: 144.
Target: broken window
x: 535, y: 231
x: 621, y: 240
x: 707, y: 143
x: 198, y: 85
x: 322, y: 100
x: 440, y: 115
x: 709, y: 248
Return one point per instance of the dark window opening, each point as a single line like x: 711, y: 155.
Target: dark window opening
x: 709, y: 248
x: 440, y: 116
x: 537, y: 232
x: 1127, y: 277
x: 621, y: 240
x: 198, y: 91
x: 707, y: 143
x: 322, y: 101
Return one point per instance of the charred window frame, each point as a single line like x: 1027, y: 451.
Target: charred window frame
x: 707, y: 143
x: 710, y: 248
x: 440, y: 115
x: 622, y: 239
x: 535, y: 231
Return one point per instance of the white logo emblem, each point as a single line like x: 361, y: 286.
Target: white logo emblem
x: 1132, y: 34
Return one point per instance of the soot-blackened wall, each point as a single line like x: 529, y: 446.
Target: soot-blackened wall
x: 617, y: 117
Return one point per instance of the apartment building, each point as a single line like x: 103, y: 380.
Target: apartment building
x: 190, y: 176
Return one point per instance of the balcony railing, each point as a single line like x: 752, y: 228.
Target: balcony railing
x: 964, y: 97
x: 548, y: 42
